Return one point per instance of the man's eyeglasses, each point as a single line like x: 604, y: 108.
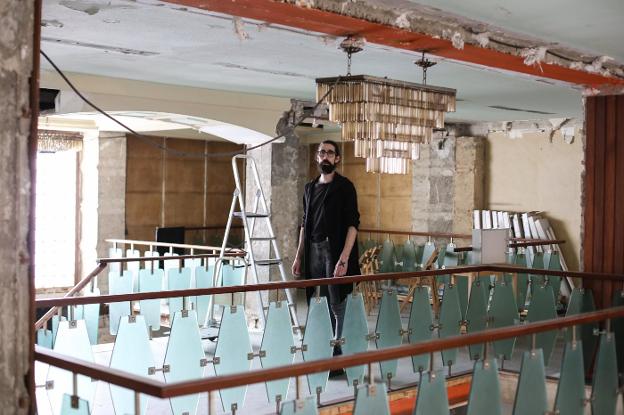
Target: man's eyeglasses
x: 328, y: 153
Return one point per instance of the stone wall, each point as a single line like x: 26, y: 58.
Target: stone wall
x: 16, y: 59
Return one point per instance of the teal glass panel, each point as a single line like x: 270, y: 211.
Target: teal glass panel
x: 371, y: 399
x: 461, y: 282
x: 571, y: 389
x: 55, y: 323
x: 317, y: 338
x: 419, y: 256
x: 118, y: 284
x: 44, y: 338
x: 537, y: 263
x: 605, y: 381
x: 203, y: 279
x: 485, y: 394
x: 184, y: 357
x: 167, y: 265
x: 150, y: 281
x: 277, y: 342
x: 231, y: 275
x: 476, y: 317
x: 115, y: 253
x: 82, y: 406
x: 133, y: 267
x: 441, y: 255
x: 419, y: 326
x: 510, y: 257
x: 428, y: 251
x: 355, y: 332
x: 389, y: 330
x: 531, y: 392
x: 305, y: 406
x: 449, y: 320
x: 386, y: 257
x: 542, y: 307
x: 233, y: 349
x: 151, y: 265
x: 432, y: 398
x: 409, y: 257
x: 193, y: 264
x: 552, y: 261
x: 582, y: 301
x: 503, y: 313
x: 398, y: 258
x: 132, y: 354
x: 451, y: 258
x: 369, y: 243
x: 91, y: 315
x: 72, y: 340
x: 523, y: 279
x: 179, y: 279
x: 618, y: 331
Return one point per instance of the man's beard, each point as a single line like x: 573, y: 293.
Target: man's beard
x: 326, y: 167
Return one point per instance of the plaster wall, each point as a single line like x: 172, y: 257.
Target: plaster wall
x: 532, y: 173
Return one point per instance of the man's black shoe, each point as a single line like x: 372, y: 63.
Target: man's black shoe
x: 336, y: 373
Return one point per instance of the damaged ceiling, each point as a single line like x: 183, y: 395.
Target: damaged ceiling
x: 169, y: 43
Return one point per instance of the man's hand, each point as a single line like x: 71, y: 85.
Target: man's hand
x: 340, y: 269
x: 296, y: 267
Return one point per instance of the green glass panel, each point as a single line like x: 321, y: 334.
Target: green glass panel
x: 55, y: 323
x: 179, y: 279
x: 523, y: 280
x: 317, y: 338
x: 369, y: 243
x: 389, y: 330
x: 618, y: 331
x: 441, y: 256
x: 398, y: 258
x: 72, y: 340
x: 510, y: 257
x: 531, y: 392
x: 355, y: 332
x: 419, y: 326
x: 115, y: 253
x: 151, y: 265
x: 193, y: 264
x: 450, y: 318
x: 231, y: 275
x: 542, y: 307
x: 409, y: 257
x: 386, y: 257
x: 82, y: 406
x: 277, y: 343
x: 44, y: 338
x: 91, y: 315
x: 420, y: 249
x: 537, y: 263
x: 133, y: 267
x: 503, y: 313
x: 184, y: 356
x: 571, y: 389
x: 118, y: 284
x: 461, y: 283
x: 150, y: 281
x: 203, y: 279
x: 305, y: 406
x: 233, y: 348
x: 485, y: 395
x: 132, y: 354
x: 552, y: 261
x: 476, y: 317
x: 605, y: 381
x: 428, y: 250
x: 432, y: 398
x: 582, y: 301
x: 371, y: 399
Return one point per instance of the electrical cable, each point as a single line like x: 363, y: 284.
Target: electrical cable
x: 178, y: 153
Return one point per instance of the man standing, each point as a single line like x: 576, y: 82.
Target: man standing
x: 328, y: 232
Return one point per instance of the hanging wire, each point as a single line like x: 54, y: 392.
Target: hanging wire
x: 177, y: 153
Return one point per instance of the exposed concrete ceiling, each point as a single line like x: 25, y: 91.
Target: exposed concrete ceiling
x: 161, y: 42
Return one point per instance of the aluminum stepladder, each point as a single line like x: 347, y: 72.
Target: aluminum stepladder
x: 249, y: 221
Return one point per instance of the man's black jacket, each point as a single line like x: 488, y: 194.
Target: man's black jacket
x: 340, y: 212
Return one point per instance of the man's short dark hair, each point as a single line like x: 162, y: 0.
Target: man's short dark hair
x: 333, y: 143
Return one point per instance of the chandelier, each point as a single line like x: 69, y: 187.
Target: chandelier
x: 385, y: 119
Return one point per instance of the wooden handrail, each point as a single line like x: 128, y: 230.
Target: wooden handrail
x: 171, y: 390
x: 275, y: 285
x: 75, y: 289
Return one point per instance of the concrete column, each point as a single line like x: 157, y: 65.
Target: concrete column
x: 447, y: 184
x: 16, y: 55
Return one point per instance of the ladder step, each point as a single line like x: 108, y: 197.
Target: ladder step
x: 250, y: 215
x: 263, y: 238
x: 272, y: 261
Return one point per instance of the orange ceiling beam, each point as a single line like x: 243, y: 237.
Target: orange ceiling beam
x: 338, y: 25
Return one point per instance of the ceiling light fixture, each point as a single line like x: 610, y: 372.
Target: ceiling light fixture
x: 386, y: 119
